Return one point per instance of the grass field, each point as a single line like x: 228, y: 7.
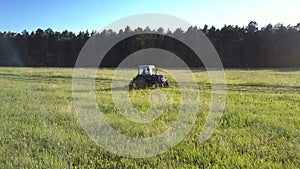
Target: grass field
x: 260, y: 127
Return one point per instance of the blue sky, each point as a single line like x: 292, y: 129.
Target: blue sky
x: 79, y: 15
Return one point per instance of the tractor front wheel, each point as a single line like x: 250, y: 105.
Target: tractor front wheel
x: 166, y: 84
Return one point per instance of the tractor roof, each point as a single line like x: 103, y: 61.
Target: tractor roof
x: 145, y: 66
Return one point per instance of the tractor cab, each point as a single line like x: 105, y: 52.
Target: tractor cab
x: 147, y: 70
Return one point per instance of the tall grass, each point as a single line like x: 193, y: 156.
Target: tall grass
x: 260, y: 127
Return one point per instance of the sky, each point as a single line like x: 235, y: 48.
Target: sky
x: 79, y: 15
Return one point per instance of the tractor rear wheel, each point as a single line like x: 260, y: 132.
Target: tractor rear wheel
x: 140, y: 83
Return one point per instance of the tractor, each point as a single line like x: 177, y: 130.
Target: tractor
x: 147, y: 77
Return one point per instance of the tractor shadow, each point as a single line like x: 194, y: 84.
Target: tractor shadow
x: 125, y: 88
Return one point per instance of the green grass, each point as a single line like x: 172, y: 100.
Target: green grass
x: 260, y: 127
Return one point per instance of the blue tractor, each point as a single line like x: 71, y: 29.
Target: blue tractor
x: 147, y: 77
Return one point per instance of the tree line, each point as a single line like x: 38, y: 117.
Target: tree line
x: 270, y: 46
